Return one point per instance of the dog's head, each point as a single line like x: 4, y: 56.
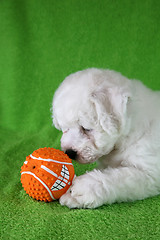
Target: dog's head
x: 89, y: 108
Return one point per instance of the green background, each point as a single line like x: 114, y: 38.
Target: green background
x: 41, y: 42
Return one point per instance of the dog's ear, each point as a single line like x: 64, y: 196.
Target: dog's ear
x: 54, y: 120
x: 55, y: 123
x: 111, y: 107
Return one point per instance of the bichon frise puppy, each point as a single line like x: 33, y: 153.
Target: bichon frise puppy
x: 108, y: 118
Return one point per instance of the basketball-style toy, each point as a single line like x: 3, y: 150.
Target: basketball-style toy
x: 47, y: 174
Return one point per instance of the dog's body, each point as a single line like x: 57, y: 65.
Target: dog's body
x: 108, y: 118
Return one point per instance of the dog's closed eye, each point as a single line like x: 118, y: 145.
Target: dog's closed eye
x: 85, y: 130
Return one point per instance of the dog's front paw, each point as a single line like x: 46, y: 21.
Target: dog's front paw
x: 82, y: 193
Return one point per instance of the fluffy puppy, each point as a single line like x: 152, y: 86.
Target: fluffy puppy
x: 108, y: 118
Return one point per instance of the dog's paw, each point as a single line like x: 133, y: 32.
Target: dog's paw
x: 82, y: 193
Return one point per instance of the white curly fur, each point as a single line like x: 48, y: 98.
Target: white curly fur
x: 108, y: 118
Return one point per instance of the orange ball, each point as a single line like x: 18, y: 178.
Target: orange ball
x: 47, y: 174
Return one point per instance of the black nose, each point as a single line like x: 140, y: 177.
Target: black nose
x: 71, y: 153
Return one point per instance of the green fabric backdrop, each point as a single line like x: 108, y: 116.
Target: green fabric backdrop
x: 41, y: 42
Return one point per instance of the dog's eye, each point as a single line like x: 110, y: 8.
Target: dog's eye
x: 85, y: 130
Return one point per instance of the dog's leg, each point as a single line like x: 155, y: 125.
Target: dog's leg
x: 111, y: 185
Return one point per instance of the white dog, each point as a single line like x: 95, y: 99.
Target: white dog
x: 108, y: 118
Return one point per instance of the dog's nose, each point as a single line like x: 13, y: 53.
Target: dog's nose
x: 71, y: 153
